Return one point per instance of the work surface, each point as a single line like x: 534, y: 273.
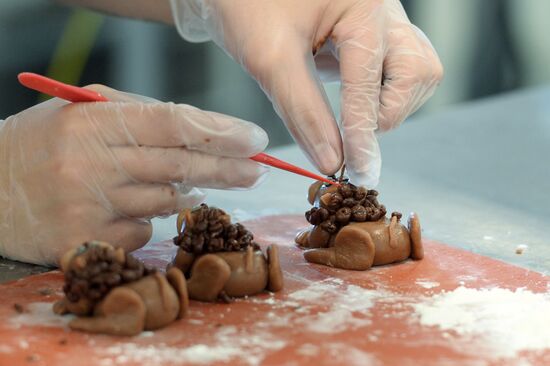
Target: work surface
x: 452, y: 308
x: 477, y: 174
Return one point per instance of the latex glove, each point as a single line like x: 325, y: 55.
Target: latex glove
x: 387, y: 67
x: 76, y: 172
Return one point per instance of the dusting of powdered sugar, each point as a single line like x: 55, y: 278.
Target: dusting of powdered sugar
x: 427, y: 284
x: 327, y: 306
x: 308, y: 350
x: 230, y: 344
x: 499, y: 321
x: 39, y: 314
x: 343, y: 354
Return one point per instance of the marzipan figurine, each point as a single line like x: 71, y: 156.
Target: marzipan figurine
x: 220, y: 258
x: 113, y: 293
x: 350, y: 229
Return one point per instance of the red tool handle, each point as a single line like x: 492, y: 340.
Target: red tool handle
x: 274, y: 162
x: 72, y: 93
x: 58, y: 89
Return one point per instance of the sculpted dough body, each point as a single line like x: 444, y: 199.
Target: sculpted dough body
x: 220, y: 259
x: 148, y: 303
x: 357, y: 245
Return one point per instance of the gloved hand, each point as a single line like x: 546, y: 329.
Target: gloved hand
x: 76, y: 172
x: 387, y: 67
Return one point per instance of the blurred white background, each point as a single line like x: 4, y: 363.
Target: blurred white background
x: 487, y: 47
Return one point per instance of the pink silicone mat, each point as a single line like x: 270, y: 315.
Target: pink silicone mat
x: 452, y: 308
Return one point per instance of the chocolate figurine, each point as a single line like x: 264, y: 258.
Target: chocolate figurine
x: 351, y: 231
x: 220, y: 258
x: 111, y: 292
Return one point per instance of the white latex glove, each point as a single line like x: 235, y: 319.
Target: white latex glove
x: 98, y: 171
x: 387, y: 67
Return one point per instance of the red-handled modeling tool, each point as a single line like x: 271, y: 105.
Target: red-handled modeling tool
x: 72, y: 93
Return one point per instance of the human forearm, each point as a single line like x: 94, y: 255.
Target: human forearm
x: 155, y: 10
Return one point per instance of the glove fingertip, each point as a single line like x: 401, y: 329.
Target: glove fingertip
x: 367, y: 179
x: 327, y: 159
x: 189, y: 197
x: 257, y: 141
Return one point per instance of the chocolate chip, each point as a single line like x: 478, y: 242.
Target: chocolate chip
x: 112, y: 279
x: 348, y: 202
x: 201, y: 226
x: 329, y: 226
x: 331, y: 201
x: 231, y: 232
x: 215, y: 227
x: 324, y: 213
x: 212, y: 232
x: 241, y: 229
x: 314, y: 217
x: 359, y: 213
x: 362, y: 204
x: 397, y: 214
x: 379, y: 214
x: 18, y: 308
x: 372, y: 198
x: 346, y: 190
x: 360, y: 194
x: 343, y: 215
x: 100, y: 274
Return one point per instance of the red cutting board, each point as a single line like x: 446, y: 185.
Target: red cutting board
x: 323, y: 316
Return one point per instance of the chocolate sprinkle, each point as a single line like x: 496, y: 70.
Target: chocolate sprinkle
x: 348, y: 204
x: 101, y: 273
x: 209, y: 230
x: 18, y: 308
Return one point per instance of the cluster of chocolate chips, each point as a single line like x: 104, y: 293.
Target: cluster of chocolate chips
x: 209, y: 230
x: 98, y: 269
x: 347, y: 203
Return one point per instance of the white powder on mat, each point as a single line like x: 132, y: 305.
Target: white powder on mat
x: 313, y: 293
x: 161, y: 354
x: 229, y: 344
x: 308, y: 349
x: 427, y: 284
x: 332, y: 291
x: 348, y: 306
x: 5, y: 349
x: 333, y: 321
x: 338, y: 353
x: 502, y: 321
x: 343, y: 354
x: 40, y: 314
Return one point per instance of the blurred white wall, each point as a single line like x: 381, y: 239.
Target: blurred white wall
x: 150, y: 59
x: 452, y: 27
x: 531, y: 31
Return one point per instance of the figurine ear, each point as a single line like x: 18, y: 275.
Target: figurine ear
x: 313, y: 191
x: 275, y: 281
x: 417, y: 249
x: 65, y: 260
x: 177, y: 280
